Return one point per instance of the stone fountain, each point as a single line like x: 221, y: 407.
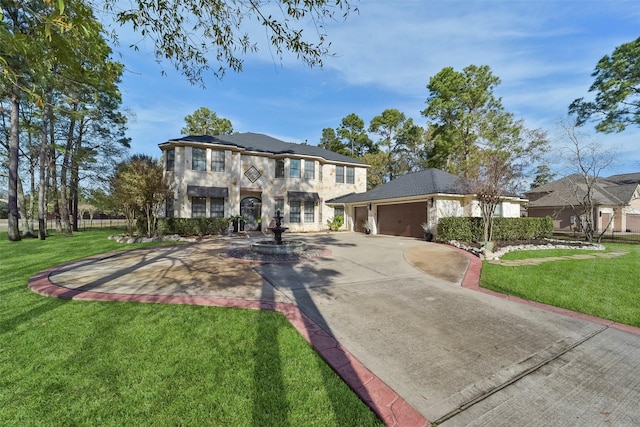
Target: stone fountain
x: 277, y: 246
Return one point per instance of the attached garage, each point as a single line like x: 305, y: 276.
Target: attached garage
x: 401, y: 206
x: 403, y: 219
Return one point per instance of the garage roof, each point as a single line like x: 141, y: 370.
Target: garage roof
x: 430, y: 181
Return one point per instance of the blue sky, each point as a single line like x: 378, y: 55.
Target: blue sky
x: 543, y: 51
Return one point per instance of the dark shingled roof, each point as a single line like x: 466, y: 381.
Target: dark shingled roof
x: 625, y: 178
x: 266, y: 144
x: 430, y: 181
x: 572, y: 189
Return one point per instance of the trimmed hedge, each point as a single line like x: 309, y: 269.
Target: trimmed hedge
x: 186, y: 226
x: 471, y: 230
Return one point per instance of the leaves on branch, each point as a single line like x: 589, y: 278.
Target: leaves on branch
x: 192, y: 33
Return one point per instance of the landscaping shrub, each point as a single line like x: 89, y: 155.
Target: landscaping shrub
x: 193, y: 226
x: 335, y: 223
x: 470, y: 229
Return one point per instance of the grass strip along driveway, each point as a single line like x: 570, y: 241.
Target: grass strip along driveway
x: 95, y: 363
x: 603, y: 287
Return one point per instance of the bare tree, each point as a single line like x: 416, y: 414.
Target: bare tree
x: 586, y: 159
x: 501, y: 162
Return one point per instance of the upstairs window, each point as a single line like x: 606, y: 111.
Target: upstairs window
x: 171, y: 159
x: 309, y: 169
x: 340, y: 174
x: 279, y: 168
x: 198, y: 159
x: 217, y: 161
x: 294, y: 168
x: 351, y: 175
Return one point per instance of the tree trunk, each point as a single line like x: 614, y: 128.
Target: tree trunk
x: 42, y: 191
x: 53, y: 185
x: 25, y: 215
x: 64, y: 169
x: 13, y: 227
x: 74, y: 183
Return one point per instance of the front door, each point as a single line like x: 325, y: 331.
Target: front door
x: 251, y: 209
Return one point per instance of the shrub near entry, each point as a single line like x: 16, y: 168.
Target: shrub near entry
x: 193, y: 226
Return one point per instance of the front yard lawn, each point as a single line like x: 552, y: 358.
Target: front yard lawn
x: 97, y: 363
x: 607, y: 288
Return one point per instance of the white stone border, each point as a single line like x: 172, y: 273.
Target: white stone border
x: 552, y: 244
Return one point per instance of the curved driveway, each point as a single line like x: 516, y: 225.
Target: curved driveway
x: 396, y: 306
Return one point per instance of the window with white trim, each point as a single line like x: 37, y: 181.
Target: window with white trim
x: 351, y: 175
x: 309, y: 207
x: 279, y: 168
x: 171, y: 159
x: 198, y: 159
x: 168, y: 208
x: 216, y: 207
x: 198, y: 207
x: 279, y: 206
x: 340, y: 174
x: 294, y: 211
x: 217, y: 161
x: 309, y: 169
x: 294, y: 168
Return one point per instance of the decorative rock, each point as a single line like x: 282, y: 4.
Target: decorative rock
x: 126, y: 239
x: 552, y: 244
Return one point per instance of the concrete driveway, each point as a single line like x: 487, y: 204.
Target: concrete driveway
x: 457, y: 356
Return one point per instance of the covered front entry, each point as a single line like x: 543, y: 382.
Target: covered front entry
x: 404, y: 219
x: 251, y: 209
x: 360, y: 215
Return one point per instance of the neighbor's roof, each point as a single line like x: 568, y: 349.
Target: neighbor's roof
x: 572, y: 190
x: 258, y: 142
x: 430, y: 181
x: 625, y: 178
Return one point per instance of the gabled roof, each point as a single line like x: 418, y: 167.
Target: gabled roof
x: 261, y: 143
x: 625, y: 178
x: 430, y: 181
x: 572, y: 189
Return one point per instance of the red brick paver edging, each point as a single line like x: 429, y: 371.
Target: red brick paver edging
x: 471, y: 280
x: 392, y: 409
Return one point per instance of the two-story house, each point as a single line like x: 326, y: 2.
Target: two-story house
x: 255, y: 175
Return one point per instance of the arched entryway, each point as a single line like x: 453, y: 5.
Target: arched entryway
x: 251, y: 209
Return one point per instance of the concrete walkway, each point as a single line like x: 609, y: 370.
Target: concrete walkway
x: 390, y: 315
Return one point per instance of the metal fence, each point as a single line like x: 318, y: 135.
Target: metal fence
x: 630, y: 236
x: 86, y: 224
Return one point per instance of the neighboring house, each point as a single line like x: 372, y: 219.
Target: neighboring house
x: 401, y: 206
x: 616, y: 202
x: 255, y: 175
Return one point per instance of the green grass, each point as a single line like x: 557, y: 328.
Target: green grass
x: 96, y: 363
x: 607, y: 288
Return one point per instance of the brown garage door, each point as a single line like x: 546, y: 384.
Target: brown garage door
x: 359, y: 216
x: 633, y: 223
x: 402, y: 220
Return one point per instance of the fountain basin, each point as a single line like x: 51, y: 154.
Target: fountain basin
x: 270, y: 247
